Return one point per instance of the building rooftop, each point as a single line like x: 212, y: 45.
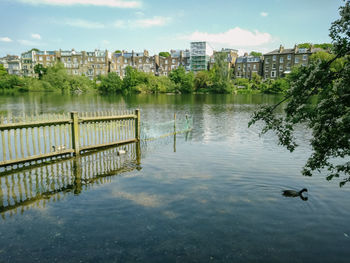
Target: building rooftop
x: 244, y: 59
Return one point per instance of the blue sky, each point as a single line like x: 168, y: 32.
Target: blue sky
x: 161, y: 25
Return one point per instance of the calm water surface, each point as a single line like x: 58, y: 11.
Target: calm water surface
x: 210, y: 195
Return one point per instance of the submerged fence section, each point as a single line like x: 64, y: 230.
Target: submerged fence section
x: 36, y: 186
x: 38, y: 138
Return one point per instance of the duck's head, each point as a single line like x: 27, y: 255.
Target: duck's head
x: 302, y: 190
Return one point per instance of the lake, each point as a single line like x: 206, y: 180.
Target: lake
x: 213, y: 194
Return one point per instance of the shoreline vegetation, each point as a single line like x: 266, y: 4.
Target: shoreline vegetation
x: 218, y: 80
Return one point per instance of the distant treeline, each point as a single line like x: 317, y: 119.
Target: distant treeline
x: 219, y: 79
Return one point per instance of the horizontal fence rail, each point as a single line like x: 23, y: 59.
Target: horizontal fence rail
x: 40, y: 138
x: 36, y: 186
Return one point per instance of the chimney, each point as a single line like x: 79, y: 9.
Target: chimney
x: 295, y: 48
x: 281, y: 49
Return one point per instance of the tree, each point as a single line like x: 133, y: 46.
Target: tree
x: 183, y: 80
x: 57, y: 77
x: 164, y: 54
x: 3, y: 71
x: 117, y: 52
x: 305, y: 45
x: 40, y: 70
x: 325, y: 46
x: 110, y: 83
x: 255, y: 54
x: 202, y: 81
x: 319, y: 97
x: 221, y: 74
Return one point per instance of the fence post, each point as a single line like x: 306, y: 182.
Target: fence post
x: 75, y: 132
x: 174, y: 132
x: 137, y: 125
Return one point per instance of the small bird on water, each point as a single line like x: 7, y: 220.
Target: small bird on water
x: 292, y: 193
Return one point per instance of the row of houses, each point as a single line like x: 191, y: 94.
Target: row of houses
x: 274, y: 64
x: 200, y: 57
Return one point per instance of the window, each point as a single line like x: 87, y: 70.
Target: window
x: 289, y: 57
x: 281, y: 67
x: 75, y: 60
x: 273, y: 74
x: 296, y: 60
x: 48, y: 58
x: 254, y: 67
x: 274, y: 58
x: 288, y: 66
x: 273, y: 66
x: 281, y: 60
x: 40, y: 58
x: 266, y: 69
x: 166, y: 61
x: 239, y: 67
x: 173, y: 61
x: 125, y: 61
x: 304, y: 57
x: 68, y: 59
x: 140, y: 60
x: 267, y: 60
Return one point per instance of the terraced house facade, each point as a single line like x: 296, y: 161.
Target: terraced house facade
x: 33, y: 57
x: 246, y: 66
x: 138, y: 60
x: 279, y: 62
x: 90, y: 64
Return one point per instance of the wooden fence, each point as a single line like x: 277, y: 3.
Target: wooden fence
x: 38, y: 185
x: 40, y: 138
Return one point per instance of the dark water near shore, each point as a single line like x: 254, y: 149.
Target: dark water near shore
x: 210, y: 195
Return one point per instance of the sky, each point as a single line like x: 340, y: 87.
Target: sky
x: 161, y: 25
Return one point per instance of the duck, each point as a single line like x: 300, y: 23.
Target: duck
x: 292, y: 193
x: 122, y: 151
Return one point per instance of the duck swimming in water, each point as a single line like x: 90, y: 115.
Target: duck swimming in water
x: 292, y: 193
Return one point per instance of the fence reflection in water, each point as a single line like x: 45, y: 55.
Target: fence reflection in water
x: 34, y: 187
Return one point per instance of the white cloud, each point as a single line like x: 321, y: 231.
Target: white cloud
x: 139, y: 13
x: 109, y: 3
x: 264, y: 14
x: 155, y: 21
x: 83, y: 23
x: 5, y: 39
x: 28, y: 42
x: 151, y: 22
x: 235, y: 37
x: 119, y: 24
x: 36, y: 36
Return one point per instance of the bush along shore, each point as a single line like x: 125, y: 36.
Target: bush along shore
x: 219, y: 79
